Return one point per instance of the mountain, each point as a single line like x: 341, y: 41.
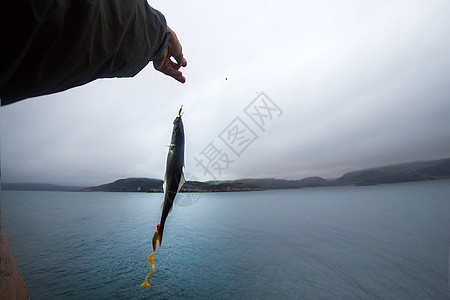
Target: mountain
x: 129, y: 185
x: 156, y: 186
x: 38, y: 187
x: 277, y: 184
x: 199, y: 187
x: 413, y: 171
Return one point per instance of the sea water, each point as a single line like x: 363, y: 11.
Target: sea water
x: 372, y: 242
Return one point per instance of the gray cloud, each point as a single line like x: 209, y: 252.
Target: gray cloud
x: 360, y: 85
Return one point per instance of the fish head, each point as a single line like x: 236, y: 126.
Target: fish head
x: 178, y: 125
x: 178, y: 132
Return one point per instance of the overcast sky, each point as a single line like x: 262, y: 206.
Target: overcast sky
x: 284, y: 89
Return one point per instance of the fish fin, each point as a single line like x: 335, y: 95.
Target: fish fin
x: 178, y: 198
x: 182, y: 181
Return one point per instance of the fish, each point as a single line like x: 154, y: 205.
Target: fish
x: 174, y: 176
x: 173, y: 181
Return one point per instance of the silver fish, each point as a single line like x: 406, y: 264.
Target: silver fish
x: 174, y: 177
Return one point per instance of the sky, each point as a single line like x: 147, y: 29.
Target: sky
x: 275, y: 89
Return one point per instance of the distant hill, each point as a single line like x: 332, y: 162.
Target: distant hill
x: 276, y: 184
x: 38, y: 187
x: 155, y: 186
x: 413, y: 171
x: 199, y: 187
x: 129, y: 185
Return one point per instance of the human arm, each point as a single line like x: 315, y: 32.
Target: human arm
x: 53, y: 45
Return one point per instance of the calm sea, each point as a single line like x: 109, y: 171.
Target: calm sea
x: 373, y: 242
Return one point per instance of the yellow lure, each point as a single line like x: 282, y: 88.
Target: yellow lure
x: 150, y: 257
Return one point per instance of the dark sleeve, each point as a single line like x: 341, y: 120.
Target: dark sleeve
x: 48, y: 46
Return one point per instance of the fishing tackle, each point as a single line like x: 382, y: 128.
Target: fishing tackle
x: 150, y: 257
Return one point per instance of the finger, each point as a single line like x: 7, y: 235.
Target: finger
x: 178, y: 76
x: 184, y: 62
x: 178, y: 53
x: 174, y: 73
x: 180, y: 59
x: 174, y: 65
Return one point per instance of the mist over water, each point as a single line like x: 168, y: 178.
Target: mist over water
x: 374, y: 242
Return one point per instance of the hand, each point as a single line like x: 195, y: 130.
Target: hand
x: 163, y: 62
